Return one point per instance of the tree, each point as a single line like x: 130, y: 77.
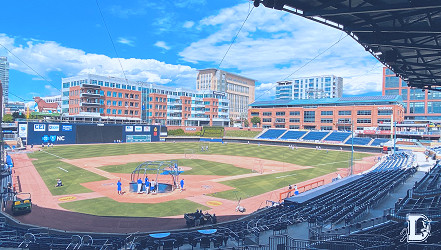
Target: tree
x: 8, y: 118
x: 255, y: 120
x: 246, y: 123
x: 231, y: 122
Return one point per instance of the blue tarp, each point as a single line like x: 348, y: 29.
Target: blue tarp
x: 9, y: 161
x: 207, y: 231
x: 159, y: 235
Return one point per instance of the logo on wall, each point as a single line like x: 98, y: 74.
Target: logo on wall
x: 155, y: 131
x: 52, y: 138
x: 52, y: 127
x: 138, y: 128
x: 66, y: 128
x: 418, y: 228
x: 146, y: 128
x: 39, y: 127
x: 23, y: 130
x: 129, y: 128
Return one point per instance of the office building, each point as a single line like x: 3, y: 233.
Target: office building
x: 239, y: 89
x: 4, y: 77
x: 316, y: 87
x: 418, y: 104
x: 329, y: 113
x: 115, y: 99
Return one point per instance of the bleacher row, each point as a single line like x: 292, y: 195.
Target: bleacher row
x: 322, y: 136
x: 345, y: 203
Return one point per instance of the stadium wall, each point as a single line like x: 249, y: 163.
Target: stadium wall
x: 76, y: 133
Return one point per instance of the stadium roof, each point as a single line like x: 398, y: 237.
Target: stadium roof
x: 405, y: 35
x: 386, y: 99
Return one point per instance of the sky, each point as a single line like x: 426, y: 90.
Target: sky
x: 166, y: 42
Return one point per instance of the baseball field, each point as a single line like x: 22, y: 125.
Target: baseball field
x: 214, y: 180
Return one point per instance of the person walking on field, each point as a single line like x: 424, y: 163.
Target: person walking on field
x: 139, y: 185
x: 182, y: 184
x: 119, y: 186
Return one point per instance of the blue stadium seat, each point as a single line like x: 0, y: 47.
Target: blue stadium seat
x: 315, y: 135
x: 379, y: 141
x: 338, y: 136
x: 272, y: 134
x: 359, y: 141
x: 293, y: 135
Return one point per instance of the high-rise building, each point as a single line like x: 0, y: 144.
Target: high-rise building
x: 111, y: 98
x: 418, y: 104
x: 315, y: 87
x: 4, y: 77
x: 239, y: 89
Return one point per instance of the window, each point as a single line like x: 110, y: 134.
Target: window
x: 254, y: 113
x: 294, y: 120
x: 385, y: 112
x: 266, y: 119
x: 416, y: 107
x: 280, y: 113
x: 101, y: 110
x: 309, y: 116
x: 120, y: 95
x: 344, y: 120
x: 294, y: 127
x: 434, y: 95
x: 280, y: 126
x: 433, y: 107
x: 391, y: 92
x: 364, y: 112
x: 114, y: 94
x: 280, y: 120
x: 326, y: 120
x: 120, y: 103
x: 392, y: 82
x: 114, y: 111
x: 417, y: 94
x: 404, y: 94
x: 119, y: 112
x: 109, y: 102
x: 114, y: 103
x: 327, y: 112
x: 326, y: 128
x: 109, y: 93
x: 267, y: 114
x: 108, y: 111
x: 383, y: 121
x: 344, y: 112
x: 363, y: 120
x: 294, y: 113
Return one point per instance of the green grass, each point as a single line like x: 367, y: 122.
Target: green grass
x: 199, y: 167
x: 109, y: 207
x: 242, y: 133
x: 51, y: 168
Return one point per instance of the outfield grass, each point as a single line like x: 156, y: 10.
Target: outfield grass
x: 108, y: 207
x: 242, y: 133
x: 198, y: 167
x: 51, y: 168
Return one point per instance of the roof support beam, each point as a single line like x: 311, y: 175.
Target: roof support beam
x: 373, y: 9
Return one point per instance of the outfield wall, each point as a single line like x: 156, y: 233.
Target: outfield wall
x: 82, y: 133
x: 357, y: 148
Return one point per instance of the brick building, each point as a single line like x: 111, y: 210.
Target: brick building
x: 328, y: 114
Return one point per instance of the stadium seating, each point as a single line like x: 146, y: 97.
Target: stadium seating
x: 379, y: 141
x: 337, y: 136
x: 293, y: 135
x: 272, y: 134
x: 394, y: 162
x: 315, y: 135
x: 359, y: 141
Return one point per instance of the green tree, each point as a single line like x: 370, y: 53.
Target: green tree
x: 231, y: 122
x: 255, y: 120
x: 246, y: 123
x: 8, y: 118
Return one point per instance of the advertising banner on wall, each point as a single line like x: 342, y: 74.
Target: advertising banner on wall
x: 44, y: 133
x: 23, y: 130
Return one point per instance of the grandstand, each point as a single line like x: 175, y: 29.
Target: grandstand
x: 337, y: 136
x: 214, y: 132
x: 272, y: 134
x: 364, y: 141
x: 315, y: 135
x: 293, y: 135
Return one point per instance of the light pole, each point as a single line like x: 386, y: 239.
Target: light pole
x: 352, y: 148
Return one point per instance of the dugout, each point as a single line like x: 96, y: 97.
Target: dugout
x: 38, y: 133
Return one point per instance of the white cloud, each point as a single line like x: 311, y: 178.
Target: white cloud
x: 49, y: 56
x: 274, y: 44
x: 162, y: 44
x: 188, y: 24
x: 126, y: 41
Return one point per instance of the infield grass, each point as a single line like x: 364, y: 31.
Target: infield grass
x: 108, y: 207
x: 198, y: 167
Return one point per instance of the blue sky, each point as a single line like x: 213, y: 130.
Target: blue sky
x: 165, y: 42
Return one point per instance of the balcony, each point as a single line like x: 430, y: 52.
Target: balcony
x: 85, y: 94
x: 90, y: 104
x: 92, y: 86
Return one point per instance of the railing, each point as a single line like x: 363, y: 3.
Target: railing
x: 305, y: 188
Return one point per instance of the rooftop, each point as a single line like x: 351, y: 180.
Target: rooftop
x: 329, y: 101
